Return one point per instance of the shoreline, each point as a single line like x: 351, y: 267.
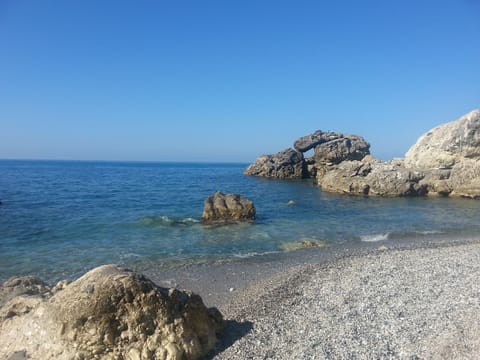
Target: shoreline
x: 420, y: 302
x: 410, y: 300
x: 387, y: 299
x: 220, y: 283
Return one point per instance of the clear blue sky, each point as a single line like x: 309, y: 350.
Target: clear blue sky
x: 229, y: 80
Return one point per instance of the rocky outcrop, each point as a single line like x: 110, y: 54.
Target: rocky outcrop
x: 224, y: 209
x: 109, y: 313
x: 333, y: 147
x: 445, y: 161
x: 24, y: 285
x: 286, y: 164
x: 450, y: 157
x: 373, y: 177
x: 447, y: 144
x: 329, y: 147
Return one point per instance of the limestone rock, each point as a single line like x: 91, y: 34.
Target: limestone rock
x: 223, y: 209
x: 373, y: 178
x: 24, y: 285
x: 445, y: 161
x: 286, y: 164
x: 329, y: 147
x: 309, y: 142
x: 449, y: 155
x: 109, y: 313
x: 447, y: 144
x: 343, y: 147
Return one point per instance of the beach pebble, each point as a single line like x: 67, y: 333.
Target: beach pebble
x: 408, y: 304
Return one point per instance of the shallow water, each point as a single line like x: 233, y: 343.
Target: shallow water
x: 61, y: 218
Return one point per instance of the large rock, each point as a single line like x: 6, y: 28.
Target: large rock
x: 309, y: 142
x: 449, y: 155
x: 224, y: 209
x: 348, y: 147
x: 373, y: 177
x: 333, y: 147
x: 287, y: 164
x: 447, y: 144
x: 109, y: 313
x: 445, y: 161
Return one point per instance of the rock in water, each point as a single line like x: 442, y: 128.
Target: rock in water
x: 329, y: 148
x: 373, y: 177
x: 286, y: 164
x: 333, y: 147
x: 225, y: 209
x: 109, y: 313
x: 348, y: 147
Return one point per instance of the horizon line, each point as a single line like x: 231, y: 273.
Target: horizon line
x: 130, y: 161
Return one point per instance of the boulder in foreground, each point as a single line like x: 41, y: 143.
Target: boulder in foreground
x: 109, y: 313
x: 223, y: 208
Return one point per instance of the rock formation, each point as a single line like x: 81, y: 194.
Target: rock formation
x: 224, y: 209
x: 373, y: 177
x: 447, y: 144
x: 444, y: 161
x: 329, y: 147
x: 286, y: 164
x: 449, y: 155
x: 24, y: 285
x: 109, y: 313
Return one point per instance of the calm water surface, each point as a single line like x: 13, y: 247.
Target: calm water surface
x: 60, y: 218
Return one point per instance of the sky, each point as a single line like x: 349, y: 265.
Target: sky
x: 228, y: 80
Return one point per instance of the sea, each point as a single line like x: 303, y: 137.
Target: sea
x: 59, y: 219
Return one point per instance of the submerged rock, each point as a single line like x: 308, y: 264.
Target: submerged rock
x: 109, y: 313
x: 303, y: 244
x: 286, y: 164
x: 224, y: 209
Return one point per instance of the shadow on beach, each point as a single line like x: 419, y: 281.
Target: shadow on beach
x: 233, y: 331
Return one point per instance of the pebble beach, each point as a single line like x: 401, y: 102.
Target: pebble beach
x: 415, y: 303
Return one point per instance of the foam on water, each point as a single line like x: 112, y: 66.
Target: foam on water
x: 374, y: 237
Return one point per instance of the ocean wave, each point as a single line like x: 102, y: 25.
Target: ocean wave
x: 374, y: 237
x: 253, y: 254
x: 167, y: 220
x: 429, y: 232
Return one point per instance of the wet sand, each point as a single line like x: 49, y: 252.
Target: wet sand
x: 410, y: 300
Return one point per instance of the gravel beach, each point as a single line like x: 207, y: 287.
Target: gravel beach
x: 392, y: 304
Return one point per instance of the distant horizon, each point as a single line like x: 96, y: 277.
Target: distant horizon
x: 224, y: 81
x: 129, y: 161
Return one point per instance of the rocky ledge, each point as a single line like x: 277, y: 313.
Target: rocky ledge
x: 109, y: 313
x: 445, y: 161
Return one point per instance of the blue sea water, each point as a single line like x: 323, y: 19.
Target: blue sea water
x: 61, y: 218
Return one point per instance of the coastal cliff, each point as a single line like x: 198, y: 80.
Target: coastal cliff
x: 444, y: 161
